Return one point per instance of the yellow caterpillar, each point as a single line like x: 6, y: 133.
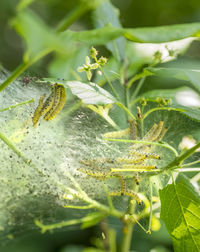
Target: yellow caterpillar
x: 117, y: 134
x: 49, y: 101
x: 38, y: 111
x: 52, y: 106
x: 142, y: 167
x: 59, y: 102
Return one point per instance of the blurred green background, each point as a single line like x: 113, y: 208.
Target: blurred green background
x: 133, y: 14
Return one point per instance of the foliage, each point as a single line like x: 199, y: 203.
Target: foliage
x: 150, y: 136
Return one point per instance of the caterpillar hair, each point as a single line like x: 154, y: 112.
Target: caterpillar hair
x: 38, y: 110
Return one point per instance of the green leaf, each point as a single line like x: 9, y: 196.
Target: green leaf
x: 89, y: 93
x: 105, y: 14
x: 99, y: 36
x: 190, y: 111
x: 163, y: 33
x: 142, y: 35
x: 38, y: 36
x: 92, y: 219
x: 181, y: 213
x: 191, y: 75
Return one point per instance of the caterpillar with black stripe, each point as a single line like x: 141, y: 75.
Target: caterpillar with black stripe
x: 52, y: 106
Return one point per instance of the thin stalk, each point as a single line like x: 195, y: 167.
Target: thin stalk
x: 150, y: 214
x: 112, y: 240
x: 14, y: 148
x: 161, y: 144
x: 134, y: 170
x: 193, y: 169
x: 179, y: 159
x: 127, y: 236
x: 44, y: 228
x: 126, y: 110
x: 137, y: 90
x: 19, y: 70
x: 109, y: 83
x: 78, y: 207
x: 72, y: 17
x: 192, y: 163
x: 16, y: 105
x: 161, y: 108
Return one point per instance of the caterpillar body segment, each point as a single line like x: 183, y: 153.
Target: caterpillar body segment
x: 134, y: 196
x: 160, y: 137
x: 122, y: 182
x: 127, y: 193
x: 133, y: 130
x: 142, y: 167
x: 94, y: 174
x: 130, y: 160
x: 49, y: 101
x: 157, y: 132
x: 38, y: 111
x: 59, y: 101
x: 52, y: 106
x: 153, y: 156
x: 117, y: 134
x: 151, y: 132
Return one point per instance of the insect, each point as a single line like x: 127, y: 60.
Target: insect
x: 38, y: 111
x: 52, y: 106
x: 136, y: 159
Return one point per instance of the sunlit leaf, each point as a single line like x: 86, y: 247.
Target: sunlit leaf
x: 89, y: 93
x: 181, y: 213
x: 163, y: 33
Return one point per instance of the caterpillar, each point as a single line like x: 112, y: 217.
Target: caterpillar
x: 117, y: 134
x: 157, y: 132
x: 142, y: 167
x: 122, y: 182
x: 131, y: 160
x: 96, y: 174
x: 52, y: 106
x: 38, y: 111
x: 59, y: 102
x: 127, y: 193
x: 49, y: 101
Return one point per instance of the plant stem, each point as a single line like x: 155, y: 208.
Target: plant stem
x: 16, y: 105
x: 12, y: 147
x: 161, y: 144
x: 109, y: 83
x: 179, y: 159
x: 150, y: 214
x: 192, y: 163
x: 72, y: 17
x: 126, y: 110
x: 19, y: 70
x: 127, y: 237
x: 162, y: 108
x: 193, y: 169
x: 135, y: 93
